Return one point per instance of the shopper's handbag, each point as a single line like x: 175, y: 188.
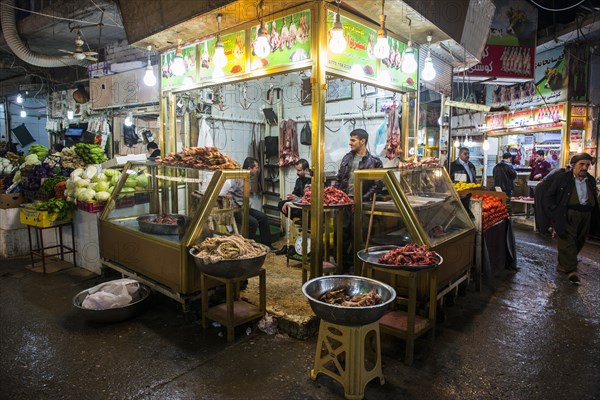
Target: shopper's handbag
x: 271, y: 146
x: 306, y: 135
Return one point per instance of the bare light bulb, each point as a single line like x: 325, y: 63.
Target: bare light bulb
x: 219, y: 58
x: 70, y: 114
x: 382, y: 47
x: 23, y: 113
x: 129, y: 120
x: 456, y: 143
x: 337, y: 43
x: 409, y: 63
x: 149, y: 77
x: 262, y: 47
x: 428, y: 73
x: 486, y: 145
x: 178, y: 67
x: 19, y: 98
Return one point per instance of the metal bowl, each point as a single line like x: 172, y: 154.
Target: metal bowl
x: 354, y: 285
x: 235, y: 268
x: 137, y: 305
x: 372, y: 255
x: 163, y: 229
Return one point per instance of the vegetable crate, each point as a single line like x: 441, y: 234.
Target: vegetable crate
x: 91, y: 206
x: 42, y: 219
x: 125, y: 202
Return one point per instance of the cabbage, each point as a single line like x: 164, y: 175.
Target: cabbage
x: 131, y: 182
x: 81, y: 183
x: 111, y: 172
x: 114, y: 179
x: 86, y: 195
x: 90, y: 172
x: 70, y: 184
x: 92, y: 185
x: 140, y: 189
x: 142, y: 180
x: 101, y: 186
x: 110, y: 189
x: 31, y: 159
x: 127, y: 190
x: 101, y: 177
x: 77, y: 173
x: 80, y: 190
x: 102, y: 196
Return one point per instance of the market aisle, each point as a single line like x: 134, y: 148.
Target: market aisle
x: 533, y: 336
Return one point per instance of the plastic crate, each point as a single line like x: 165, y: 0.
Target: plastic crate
x: 91, y: 206
x: 42, y: 219
x: 125, y: 202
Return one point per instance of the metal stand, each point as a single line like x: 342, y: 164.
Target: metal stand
x: 41, y: 251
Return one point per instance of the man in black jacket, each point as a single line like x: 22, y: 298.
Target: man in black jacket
x: 304, y: 176
x: 571, y: 199
x: 462, y: 170
x: 358, y: 158
x: 504, y: 175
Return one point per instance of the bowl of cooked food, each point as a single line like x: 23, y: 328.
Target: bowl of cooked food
x: 348, y: 300
x: 163, y: 224
x: 229, y: 256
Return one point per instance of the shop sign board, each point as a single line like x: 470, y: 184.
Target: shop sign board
x: 526, y: 120
x: 550, y: 84
x: 290, y: 39
x: 170, y: 80
x: 358, y: 59
x: 510, y: 50
x: 235, y: 51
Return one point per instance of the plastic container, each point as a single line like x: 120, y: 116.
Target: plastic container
x: 91, y: 206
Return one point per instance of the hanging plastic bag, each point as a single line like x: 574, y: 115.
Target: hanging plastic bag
x: 306, y: 135
x: 380, y: 138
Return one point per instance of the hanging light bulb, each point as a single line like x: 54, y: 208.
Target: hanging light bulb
x: 428, y: 73
x: 149, y: 77
x: 409, y: 63
x: 70, y: 114
x: 178, y: 67
x: 382, y: 47
x: 456, y: 143
x: 261, y: 46
x: 19, y: 98
x: 219, y: 58
x: 486, y: 145
x: 337, y: 43
x: 23, y: 113
x: 129, y: 120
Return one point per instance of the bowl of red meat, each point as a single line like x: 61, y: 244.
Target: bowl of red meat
x: 163, y: 224
x: 348, y: 300
x: 331, y: 197
x: 411, y: 257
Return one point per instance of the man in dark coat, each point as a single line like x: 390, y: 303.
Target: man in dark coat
x: 462, y: 170
x: 505, y: 174
x: 571, y: 199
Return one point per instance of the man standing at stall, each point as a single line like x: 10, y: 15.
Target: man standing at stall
x: 504, y: 175
x: 540, y: 167
x: 462, y: 170
x: 256, y: 219
x: 358, y: 158
x: 571, y: 199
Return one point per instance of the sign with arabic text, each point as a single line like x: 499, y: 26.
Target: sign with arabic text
x: 289, y: 38
x: 235, y: 51
x: 526, y: 120
x: 168, y: 79
x: 390, y: 69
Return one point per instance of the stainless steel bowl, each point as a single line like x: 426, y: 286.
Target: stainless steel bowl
x: 137, y: 305
x: 354, y: 285
x: 163, y: 229
x: 235, y: 268
x: 373, y: 254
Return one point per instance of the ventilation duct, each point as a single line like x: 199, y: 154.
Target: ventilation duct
x: 20, y: 49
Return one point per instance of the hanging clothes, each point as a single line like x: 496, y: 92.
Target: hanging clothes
x: 204, y: 136
x: 288, y: 143
x: 393, y: 145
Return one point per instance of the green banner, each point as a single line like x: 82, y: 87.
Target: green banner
x: 234, y: 51
x: 289, y: 38
x: 168, y: 78
x: 357, y: 58
x: 391, y: 67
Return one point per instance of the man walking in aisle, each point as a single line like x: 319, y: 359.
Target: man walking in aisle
x: 572, y: 201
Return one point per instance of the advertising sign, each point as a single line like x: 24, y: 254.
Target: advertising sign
x: 235, y: 51
x: 289, y: 38
x: 168, y: 78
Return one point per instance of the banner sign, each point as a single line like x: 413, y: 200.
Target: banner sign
x: 235, y: 51
x: 168, y: 79
x: 526, y: 120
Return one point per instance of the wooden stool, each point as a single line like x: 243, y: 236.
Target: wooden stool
x: 345, y: 354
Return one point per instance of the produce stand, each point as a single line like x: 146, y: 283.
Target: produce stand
x: 422, y: 207
x: 162, y: 260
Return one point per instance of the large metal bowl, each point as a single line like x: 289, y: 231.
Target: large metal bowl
x: 373, y: 254
x: 163, y: 229
x: 137, y: 305
x: 352, y: 316
x: 235, y: 268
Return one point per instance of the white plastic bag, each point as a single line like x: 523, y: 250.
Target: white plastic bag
x: 113, y: 294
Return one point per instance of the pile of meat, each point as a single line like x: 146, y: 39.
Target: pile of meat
x: 426, y: 162
x: 234, y: 247
x: 338, y: 297
x: 200, y: 158
x: 411, y: 255
x: 331, y: 196
x: 394, y: 140
x: 164, y: 219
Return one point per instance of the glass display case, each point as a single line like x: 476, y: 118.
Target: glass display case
x: 173, y: 209
x: 418, y: 205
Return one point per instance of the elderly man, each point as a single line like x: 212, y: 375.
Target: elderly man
x: 571, y: 199
x: 462, y: 170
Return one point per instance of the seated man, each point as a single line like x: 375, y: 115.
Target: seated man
x: 153, y: 150
x: 256, y: 219
x: 304, y: 175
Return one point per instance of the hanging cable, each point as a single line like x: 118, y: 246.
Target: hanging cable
x: 557, y: 9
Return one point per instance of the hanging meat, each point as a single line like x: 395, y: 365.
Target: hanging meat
x: 288, y: 143
x: 394, y: 138
x: 274, y: 38
x: 284, y: 35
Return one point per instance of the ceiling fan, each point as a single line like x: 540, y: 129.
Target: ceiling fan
x: 79, y: 54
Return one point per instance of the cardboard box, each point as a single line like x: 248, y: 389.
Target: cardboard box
x: 11, y: 200
x: 42, y: 219
x: 122, y: 160
x: 9, y: 219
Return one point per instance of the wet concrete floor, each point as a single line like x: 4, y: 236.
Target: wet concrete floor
x: 527, y: 335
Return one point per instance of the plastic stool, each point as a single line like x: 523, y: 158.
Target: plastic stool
x: 345, y: 354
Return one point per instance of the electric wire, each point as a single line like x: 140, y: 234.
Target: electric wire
x: 557, y: 9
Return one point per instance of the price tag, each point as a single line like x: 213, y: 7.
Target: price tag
x: 460, y: 177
